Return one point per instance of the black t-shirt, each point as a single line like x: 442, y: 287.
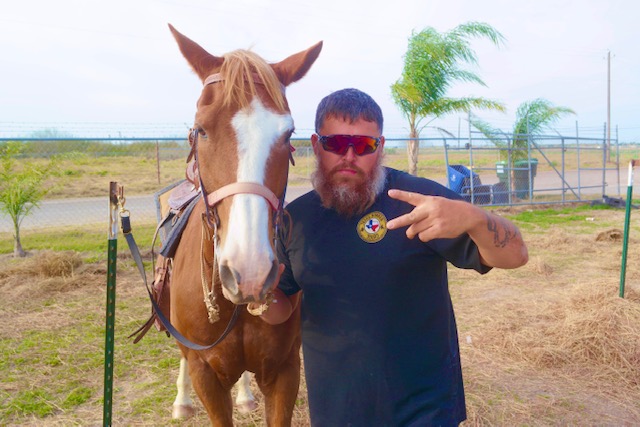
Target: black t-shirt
x: 380, y: 345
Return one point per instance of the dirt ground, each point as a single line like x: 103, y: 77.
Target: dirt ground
x: 548, y: 344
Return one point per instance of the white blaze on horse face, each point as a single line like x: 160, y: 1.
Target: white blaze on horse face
x: 247, y: 248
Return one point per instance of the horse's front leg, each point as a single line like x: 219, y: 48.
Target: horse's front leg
x: 215, y: 396
x: 280, y: 391
x: 245, y: 401
x: 183, y: 405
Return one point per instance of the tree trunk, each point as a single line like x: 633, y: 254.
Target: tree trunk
x: 413, y: 147
x: 18, y: 252
x: 412, y: 154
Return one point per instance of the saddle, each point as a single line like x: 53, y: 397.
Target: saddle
x: 174, y: 205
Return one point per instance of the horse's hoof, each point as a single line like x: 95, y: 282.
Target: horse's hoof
x: 246, y: 406
x: 182, y: 412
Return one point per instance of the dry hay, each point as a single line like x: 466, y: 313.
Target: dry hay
x: 44, y: 273
x: 612, y: 235
x: 554, y: 238
x: 539, y: 266
x: 591, y: 328
x: 58, y: 264
x: 44, y: 264
x: 32, y: 288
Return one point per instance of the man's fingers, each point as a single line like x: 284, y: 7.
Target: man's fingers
x: 401, y: 221
x: 419, y: 229
x: 417, y: 214
x: 426, y: 235
x: 406, y: 196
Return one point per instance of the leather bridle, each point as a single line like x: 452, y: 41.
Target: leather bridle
x: 211, y: 200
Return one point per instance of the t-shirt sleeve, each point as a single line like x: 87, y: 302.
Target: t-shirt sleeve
x: 461, y: 252
x: 288, y: 283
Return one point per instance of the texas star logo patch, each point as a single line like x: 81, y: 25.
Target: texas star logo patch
x: 372, y: 227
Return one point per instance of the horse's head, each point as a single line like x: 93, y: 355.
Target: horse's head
x: 241, y: 135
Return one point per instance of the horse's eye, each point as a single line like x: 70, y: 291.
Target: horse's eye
x: 201, y: 132
x: 287, y: 137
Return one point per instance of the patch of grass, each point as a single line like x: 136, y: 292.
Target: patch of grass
x: 73, y: 172
x: 77, y: 397
x: 152, y: 395
x: 36, y: 402
x: 55, y: 364
x: 548, y: 217
x: 89, y: 240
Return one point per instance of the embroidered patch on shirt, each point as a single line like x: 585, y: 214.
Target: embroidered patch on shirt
x: 372, y: 227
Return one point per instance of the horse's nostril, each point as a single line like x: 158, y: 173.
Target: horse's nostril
x: 229, y: 278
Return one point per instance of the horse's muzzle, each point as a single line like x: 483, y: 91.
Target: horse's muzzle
x: 252, y: 290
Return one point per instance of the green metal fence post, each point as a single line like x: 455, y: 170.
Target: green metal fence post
x: 111, y: 304
x: 627, y: 216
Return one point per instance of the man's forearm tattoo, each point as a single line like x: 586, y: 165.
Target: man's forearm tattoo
x: 508, y: 231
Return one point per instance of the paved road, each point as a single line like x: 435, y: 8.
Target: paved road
x: 94, y: 210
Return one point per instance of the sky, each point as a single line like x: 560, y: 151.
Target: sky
x: 88, y: 68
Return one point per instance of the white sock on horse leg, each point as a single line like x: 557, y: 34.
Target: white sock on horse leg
x: 245, y: 401
x: 183, y: 405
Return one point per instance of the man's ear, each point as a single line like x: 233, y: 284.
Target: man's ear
x: 314, y: 143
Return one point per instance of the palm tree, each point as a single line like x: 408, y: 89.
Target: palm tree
x: 432, y: 65
x: 532, y: 119
x: 22, y: 186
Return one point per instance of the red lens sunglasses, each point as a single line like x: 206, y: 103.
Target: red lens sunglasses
x: 339, y: 144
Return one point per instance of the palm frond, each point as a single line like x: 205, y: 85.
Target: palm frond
x: 495, y: 135
x: 536, y: 116
x: 452, y: 105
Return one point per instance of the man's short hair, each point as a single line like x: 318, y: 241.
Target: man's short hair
x: 349, y: 105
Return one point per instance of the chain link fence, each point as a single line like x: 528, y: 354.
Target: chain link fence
x: 550, y: 169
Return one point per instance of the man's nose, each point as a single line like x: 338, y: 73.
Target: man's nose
x: 350, y: 154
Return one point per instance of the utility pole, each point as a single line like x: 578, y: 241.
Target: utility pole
x: 609, y: 103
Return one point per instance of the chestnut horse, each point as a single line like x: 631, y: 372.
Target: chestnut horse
x: 226, y: 256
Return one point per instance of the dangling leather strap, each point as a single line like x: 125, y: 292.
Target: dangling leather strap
x: 135, y: 253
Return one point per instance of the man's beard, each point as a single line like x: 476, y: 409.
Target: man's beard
x: 352, y: 197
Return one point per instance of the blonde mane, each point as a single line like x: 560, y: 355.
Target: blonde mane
x: 237, y: 71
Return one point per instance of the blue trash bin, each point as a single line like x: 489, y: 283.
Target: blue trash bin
x: 460, y: 176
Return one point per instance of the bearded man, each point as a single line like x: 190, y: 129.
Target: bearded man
x: 369, y: 248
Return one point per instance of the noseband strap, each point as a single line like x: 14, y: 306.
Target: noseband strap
x: 244, y: 188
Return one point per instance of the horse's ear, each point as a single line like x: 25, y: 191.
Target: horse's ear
x: 200, y: 60
x: 296, y: 66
